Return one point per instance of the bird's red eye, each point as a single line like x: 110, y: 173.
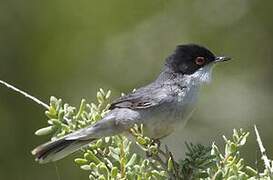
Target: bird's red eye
x: 200, y: 60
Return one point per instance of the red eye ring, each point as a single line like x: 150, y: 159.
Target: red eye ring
x: 200, y: 61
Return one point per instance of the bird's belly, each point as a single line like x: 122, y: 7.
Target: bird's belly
x: 165, y: 120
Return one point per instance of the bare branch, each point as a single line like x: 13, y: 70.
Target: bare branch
x: 262, y: 149
x: 24, y: 94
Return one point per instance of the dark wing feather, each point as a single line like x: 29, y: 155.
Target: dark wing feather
x: 142, y: 98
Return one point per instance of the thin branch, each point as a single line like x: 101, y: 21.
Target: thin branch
x: 24, y: 94
x: 160, y: 151
x: 262, y: 149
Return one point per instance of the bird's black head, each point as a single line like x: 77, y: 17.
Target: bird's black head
x: 187, y: 59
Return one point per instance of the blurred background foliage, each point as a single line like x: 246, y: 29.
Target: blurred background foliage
x: 71, y: 48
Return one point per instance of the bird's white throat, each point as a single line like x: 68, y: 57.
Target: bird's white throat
x: 203, y: 75
x: 193, y: 82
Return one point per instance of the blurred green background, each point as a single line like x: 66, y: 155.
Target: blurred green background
x: 71, y: 48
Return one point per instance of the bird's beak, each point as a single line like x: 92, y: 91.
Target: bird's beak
x: 221, y: 59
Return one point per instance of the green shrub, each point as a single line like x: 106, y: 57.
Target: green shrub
x: 113, y: 158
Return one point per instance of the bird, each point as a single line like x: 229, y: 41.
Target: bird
x: 160, y: 106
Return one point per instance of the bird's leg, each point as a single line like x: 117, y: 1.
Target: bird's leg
x: 160, y: 151
x: 148, y: 154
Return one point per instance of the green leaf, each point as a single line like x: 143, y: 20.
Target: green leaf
x: 141, y: 140
x: 234, y: 177
x: 114, y: 172
x: 44, y: 131
x: 170, y: 164
x: 202, y: 175
x: 91, y: 177
x: 232, y: 148
x: 99, y: 143
x: 91, y: 157
x: 107, y: 96
x: 80, y: 161
x: 102, y: 169
x: 132, y: 160
x: 56, y: 122
x: 243, y: 141
x: 218, y: 175
x: 82, y: 108
x: 101, y: 177
x: 250, y: 171
x: 86, y: 167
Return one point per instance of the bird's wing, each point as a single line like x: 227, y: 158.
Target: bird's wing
x: 142, y: 98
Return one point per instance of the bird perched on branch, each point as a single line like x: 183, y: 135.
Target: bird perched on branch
x: 160, y: 106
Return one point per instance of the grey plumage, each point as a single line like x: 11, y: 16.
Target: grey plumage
x: 160, y: 106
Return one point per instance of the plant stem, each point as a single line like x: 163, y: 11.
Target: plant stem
x: 263, y: 152
x: 27, y: 95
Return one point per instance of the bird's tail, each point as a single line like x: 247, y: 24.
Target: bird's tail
x: 55, y: 150
x: 58, y: 149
